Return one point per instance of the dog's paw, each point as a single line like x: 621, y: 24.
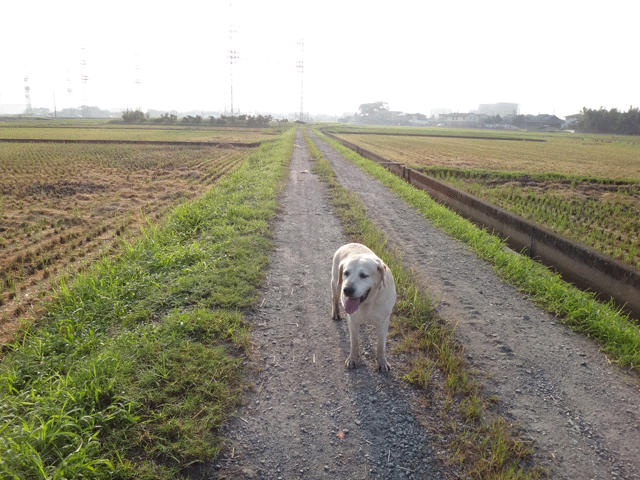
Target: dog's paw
x: 336, y: 317
x: 384, y: 367
x: 351, y: 363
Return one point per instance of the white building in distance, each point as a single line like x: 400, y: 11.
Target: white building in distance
x: 503, y: 109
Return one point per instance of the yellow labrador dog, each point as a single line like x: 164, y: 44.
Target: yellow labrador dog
x: 365, y: 286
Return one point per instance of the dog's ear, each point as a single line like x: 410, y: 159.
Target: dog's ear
x: 340, y: 277
x: 382, y: 269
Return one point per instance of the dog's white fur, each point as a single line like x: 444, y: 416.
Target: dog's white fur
x: 358, y: 272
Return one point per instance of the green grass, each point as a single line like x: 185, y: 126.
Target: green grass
x: 139, y: 362
x: 486, y: 447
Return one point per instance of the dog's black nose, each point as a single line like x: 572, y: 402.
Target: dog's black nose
x: 348, y: 291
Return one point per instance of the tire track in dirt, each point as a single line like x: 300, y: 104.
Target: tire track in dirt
x: 582, y: 412
x: 307, y: 416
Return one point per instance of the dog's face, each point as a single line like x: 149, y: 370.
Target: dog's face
x: 359, y: 274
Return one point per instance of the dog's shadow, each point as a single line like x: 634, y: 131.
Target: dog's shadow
x: 368, y: 340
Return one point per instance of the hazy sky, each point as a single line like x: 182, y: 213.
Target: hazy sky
x: 548, y: 56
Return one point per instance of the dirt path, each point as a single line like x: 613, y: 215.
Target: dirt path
x: 582, y: 412
x: 304, y: 399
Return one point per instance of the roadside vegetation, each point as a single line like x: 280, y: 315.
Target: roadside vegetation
x: 138, y: 362
x: 482, y: 445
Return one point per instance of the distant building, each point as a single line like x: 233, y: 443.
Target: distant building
x: 416, y: 119
x: 453, y: 119
x: 502, y: 108
x: 468, y: 120
x: 436, y: 112
x: 475, y: 119
x: 542, y: 122
x: 571, y: 120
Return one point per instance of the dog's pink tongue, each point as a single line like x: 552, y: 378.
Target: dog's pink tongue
x: 351, y: 305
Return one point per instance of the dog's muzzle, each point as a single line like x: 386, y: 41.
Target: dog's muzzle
x: 352, y: 304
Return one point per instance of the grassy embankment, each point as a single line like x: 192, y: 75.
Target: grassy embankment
x: 139, y: 361
x: 485, y: 446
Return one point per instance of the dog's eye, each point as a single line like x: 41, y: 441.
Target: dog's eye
x: 345, y: 274
x: 363, y: 275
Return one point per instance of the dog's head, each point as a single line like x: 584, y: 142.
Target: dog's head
x: 359, y: 275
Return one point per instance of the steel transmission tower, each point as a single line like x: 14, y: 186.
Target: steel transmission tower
x: 70, y: 91
x: 233, y: 58
x: 27, y: 96
x: 137, y: 81
x: 84, y: 79
x: 233, y: 55
x: 300, y: 65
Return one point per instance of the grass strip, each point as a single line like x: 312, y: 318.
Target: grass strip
x: 616, y: 334
x: 485, y: 446
x: 139, y: 362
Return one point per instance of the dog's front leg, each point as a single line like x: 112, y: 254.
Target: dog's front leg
x: 352, y: 359
x: 383, y: 365
x: 335, y: 309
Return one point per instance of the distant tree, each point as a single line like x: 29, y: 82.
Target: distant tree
x: 259, y: 121
x: 373, y: 113
x: 168, y: 118
x: 629, y: 123
x: 133, y: 116
x: 493, y: 120
x: 609, y: 121
x: 41, y: 111
x: 519, y: 121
